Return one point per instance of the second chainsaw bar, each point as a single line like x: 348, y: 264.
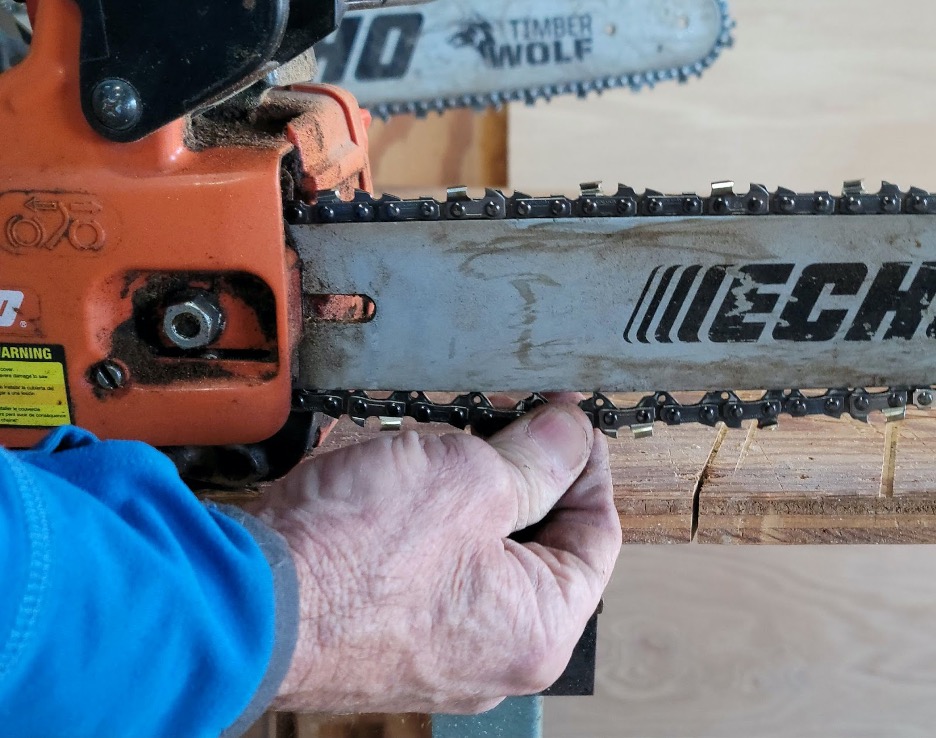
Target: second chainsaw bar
x: 448, y: 54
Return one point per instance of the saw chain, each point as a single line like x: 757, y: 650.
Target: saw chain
x: 476, y: 411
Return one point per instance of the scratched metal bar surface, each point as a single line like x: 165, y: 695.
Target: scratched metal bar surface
x: 625, y: 304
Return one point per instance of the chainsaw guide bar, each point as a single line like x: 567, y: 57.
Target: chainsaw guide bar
x: 872, y: 306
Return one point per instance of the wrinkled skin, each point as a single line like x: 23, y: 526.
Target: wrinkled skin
x: 413, y: 596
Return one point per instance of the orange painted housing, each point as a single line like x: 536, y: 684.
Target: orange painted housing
x: 94, y: 235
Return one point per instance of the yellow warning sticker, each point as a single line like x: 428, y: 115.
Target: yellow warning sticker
x: 33, y: 389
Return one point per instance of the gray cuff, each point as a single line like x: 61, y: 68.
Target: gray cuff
x: 286, y: 614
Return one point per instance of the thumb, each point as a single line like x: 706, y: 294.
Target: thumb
x: 546, y: 450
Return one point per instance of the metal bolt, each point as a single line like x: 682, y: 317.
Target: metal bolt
x: 610, y: 418
x: 719, y: 205
x: 833, y: 405
x: 798, y: 407
x: 888, y: 204
x: 672, y: 415
x: 326, y: 213
x: 457, y: 210
x: 589, y: 207
x: 787, y: 204
x: 557, y: 207
x: 691, y: 205
x: 920, y: 204
x: 894, y: 399
x: 770, y: 409
x: 333, y: 404
x: 393, y: 211
x: 428, y: 210
x: 491, y: 209
x: 644, y: 416
x: 193, y: 323
x: 523, y: 209
x: 755, y: 204
x: 822, y: 203
x: 294, y: 212
x: 862, y: 403
x: 423, y: 414
x: 708, y: 414
x: 734, y: 411
x: 852, y: 204
x: 108, y: 375
x: 626, y: 207
x: 925, y: 398
x: 116, y: 104
x: 359, y: 407
x: 363, y: 211
x: 458, y: 415
x: 654, y: 207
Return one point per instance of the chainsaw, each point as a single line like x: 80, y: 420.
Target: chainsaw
x: 193, y: 258
x: 397, y: 58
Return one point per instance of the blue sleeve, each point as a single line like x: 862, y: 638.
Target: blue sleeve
x: 128, y: 608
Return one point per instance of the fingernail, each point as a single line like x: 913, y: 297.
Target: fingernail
x: 561, y: 435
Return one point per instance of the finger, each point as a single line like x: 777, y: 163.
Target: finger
x: 546, y: 451
x: 580, y: 539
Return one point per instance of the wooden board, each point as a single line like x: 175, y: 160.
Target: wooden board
x: 813, y: 480
x: 460, y: 147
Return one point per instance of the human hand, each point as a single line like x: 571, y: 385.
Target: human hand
x: 412, y: 595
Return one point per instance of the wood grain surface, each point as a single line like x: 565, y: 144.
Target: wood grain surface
x: 717, y: 642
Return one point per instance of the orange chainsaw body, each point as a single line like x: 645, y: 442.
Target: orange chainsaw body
x: 95, y: 236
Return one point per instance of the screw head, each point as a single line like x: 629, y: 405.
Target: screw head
x: 755, y: 204
x: 925, y: 398
x: 108, y: 375
x: 363, y: 211
x: 787, y: 204
x: 708, y: 414
x: 852, y: 204
x: 610, y: 418
x: 798, y: 408
x: 326, y: 213
x: 823, y: 203
x: 523, y: 209
x: 589, y: 207
x: 457, y: 210
x: 862, y: 403
x: 116, y: 104
x: 894, y: 399
x: 654, y: 206
x: 770, y: 409
x: 393, y: 211
x: 428, y: 210
x: 735, y: 412
x: 492, y: 209
x: 644, y: 416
